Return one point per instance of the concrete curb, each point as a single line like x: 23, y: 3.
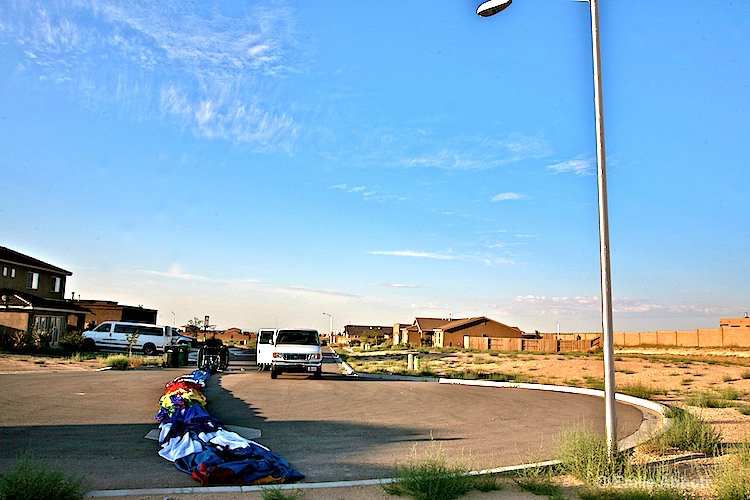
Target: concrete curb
x: 651, y: 425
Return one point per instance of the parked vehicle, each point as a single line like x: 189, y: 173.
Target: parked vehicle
x: 297, y: 350
x: 120, y: 336
x: 264, y: 348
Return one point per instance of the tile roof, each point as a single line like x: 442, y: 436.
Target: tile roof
x: 16, y: 298
x: 13, y: 257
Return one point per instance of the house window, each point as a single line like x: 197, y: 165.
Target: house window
x: 33, y: 281
x: 56, y: 284
x: 12, y: 272
x: 5, y: 271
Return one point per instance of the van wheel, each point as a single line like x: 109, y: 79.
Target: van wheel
x: 274, y: 373
x: 89, y: 345
x: 149, y: 349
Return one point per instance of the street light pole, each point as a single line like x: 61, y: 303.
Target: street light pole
x: 489, y: 8
x: 330, y: 328
x: 606, y: 276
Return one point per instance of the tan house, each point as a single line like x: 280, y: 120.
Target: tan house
x: 441, y: 332
x: 32, y: 299
x: 110, y: 310
x: 420, y: 332
x: 232, y: 335
x: 453, y: 333
x: 735, y: 322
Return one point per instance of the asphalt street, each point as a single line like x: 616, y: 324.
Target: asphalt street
x: 331, y: 429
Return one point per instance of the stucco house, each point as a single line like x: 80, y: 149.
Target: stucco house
x: 32, y: 298
x: 453, y: 333
x: 442, y: 332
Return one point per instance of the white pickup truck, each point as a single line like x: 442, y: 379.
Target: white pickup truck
x: 296, y: 350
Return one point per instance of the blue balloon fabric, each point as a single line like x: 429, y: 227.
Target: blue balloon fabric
x: 199, y: 445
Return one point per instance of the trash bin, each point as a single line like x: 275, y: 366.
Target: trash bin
x: 183, y: 354
x: 171, y: 357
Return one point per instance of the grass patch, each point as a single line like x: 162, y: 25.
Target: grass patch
x: 487, y: 483
x: 640, y: 391
x: 433, y: 477
x: 688, y: 432
x: 745, y: 374
x: 81, y: 356
x: 277, y: 493
x: 745, y: 410
x: 635, y: 493
x: 584, y: 455
x: 538, y: 481
x: 594, y: 382
x: 32, y: 479
x: 732, y: 478
x: 117, y: 361
x: 713, y: 399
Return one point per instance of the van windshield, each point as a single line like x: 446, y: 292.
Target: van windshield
x: 298, y: 337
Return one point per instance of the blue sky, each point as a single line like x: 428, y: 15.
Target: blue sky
x: 266, y: 162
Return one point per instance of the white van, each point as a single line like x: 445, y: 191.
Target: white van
x: 297, y: 350
x: 116, y: 335
x: 264, y: 348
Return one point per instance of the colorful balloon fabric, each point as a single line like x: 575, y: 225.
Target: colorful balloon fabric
x: 198, y: 444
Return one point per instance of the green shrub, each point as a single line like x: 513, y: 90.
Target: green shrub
x: 584, y: 455
x: 72, y: 341
x: 731, y: 479
x: 687, y: 432
x: 117, y: 361
x: 431, y: 478
x: 29, y: 479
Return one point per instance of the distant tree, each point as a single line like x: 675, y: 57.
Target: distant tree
x: 195, y: 326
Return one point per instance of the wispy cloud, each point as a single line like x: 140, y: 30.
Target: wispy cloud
x: 417, y: 254
x: 484, y: 259
x: 201, y: 66
x: 448, y: 160
x: 525, y: 146
x: 509, y: 196
x: 175, y: 272
x: 473, y: 153
x: 396, y: 285
x: 579, y: 165
x: 368, y: 194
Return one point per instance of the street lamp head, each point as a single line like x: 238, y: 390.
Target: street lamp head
x: 492, y: 7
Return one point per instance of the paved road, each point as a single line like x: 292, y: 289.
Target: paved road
x: 334, y: 428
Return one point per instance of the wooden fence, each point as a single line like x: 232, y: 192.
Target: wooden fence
x: 546, y: 343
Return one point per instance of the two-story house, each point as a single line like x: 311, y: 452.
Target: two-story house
x: 32, y: 297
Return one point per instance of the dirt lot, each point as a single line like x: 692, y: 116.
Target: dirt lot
x: 668, y: 376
